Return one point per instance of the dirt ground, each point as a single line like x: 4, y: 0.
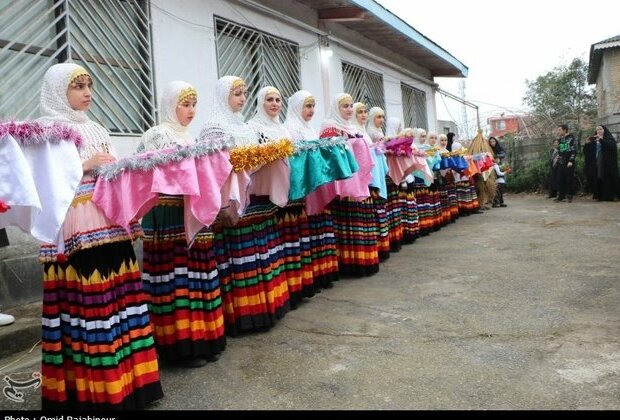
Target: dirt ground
x: 517, y: 308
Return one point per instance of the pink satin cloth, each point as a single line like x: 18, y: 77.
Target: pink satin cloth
x: 401, y: 166
x: 131, y: 194
x: 235, y: 194
x: 355, y: 187
x: 273, y: 180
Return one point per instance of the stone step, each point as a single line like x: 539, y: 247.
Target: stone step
x: 24, y: 333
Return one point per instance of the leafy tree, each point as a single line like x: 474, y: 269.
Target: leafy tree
x: 562, y: 96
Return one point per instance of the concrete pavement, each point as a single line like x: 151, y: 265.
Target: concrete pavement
x: 517, y: 308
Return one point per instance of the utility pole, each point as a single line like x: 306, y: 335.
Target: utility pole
x: 463, y: 107
x: 464, y: 103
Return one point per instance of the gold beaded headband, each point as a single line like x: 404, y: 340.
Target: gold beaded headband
x: 237, y: 83
x: 272, y: 90
x: 77, y: 73
x: 345, y: 97
x: 360, y: 106
x: 187, y: 94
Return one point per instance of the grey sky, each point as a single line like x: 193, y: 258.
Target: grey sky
x: 504, y: 43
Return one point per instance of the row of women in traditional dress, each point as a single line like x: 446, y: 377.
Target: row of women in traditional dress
x: 107, y: 325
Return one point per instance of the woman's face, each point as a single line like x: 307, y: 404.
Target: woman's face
x: 346, y: 109
x: 307, y: 111
x: 186, y: 111
x: 493, y: 142
x: 379, y: 120
x: 236, y: 98
x: 422, y: 138
x: 362, y: 116
x: 599, y: 131
x: 272, y: 104
x: 432, y: 139
x: 79, y: 93
x: 443, y: 142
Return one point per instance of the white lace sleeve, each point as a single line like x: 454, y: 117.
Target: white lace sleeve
x: 154, y: 139
x: 214, y: 136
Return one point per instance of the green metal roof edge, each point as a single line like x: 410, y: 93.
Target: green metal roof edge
x: 401, y: 26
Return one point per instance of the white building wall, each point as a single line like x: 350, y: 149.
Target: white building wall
x: 184, y: 49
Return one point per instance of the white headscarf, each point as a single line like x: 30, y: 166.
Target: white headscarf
x: 428, y: 138
x: 419, y: 132
x: 170, y: 131
x: 361, y: 128
x: 54, y: 107
x: 297, y: 126
x: 335, y: 119
x: 375, y: 133
x: 438, y: 144
x: 226, y: 128
x: 393, y: 127
x: 269, y: 127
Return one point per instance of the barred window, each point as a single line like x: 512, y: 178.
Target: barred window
x: 110, y: 38
x: 414, y: 107
x: 363, y: 85
x: 258, y: 58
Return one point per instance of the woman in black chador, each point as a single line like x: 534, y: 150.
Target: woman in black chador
x: 589, y: 165
x: 606, y: 165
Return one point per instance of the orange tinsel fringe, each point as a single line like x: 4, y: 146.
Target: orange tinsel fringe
x: 250, y: 157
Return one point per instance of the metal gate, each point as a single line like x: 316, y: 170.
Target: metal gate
x: 110, y: 38
x: 414, y: 107
x: 363, y: 85
x: 258, y: 58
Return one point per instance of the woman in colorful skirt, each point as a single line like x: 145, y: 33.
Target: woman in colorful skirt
x: 465, y: 189
x: 412, y: 204
x: 291, y: 220
x: 322, y: 240
x: 249, y: 249
x: 378, y: 187
x: 449, y: 179
x: 98, y: 350
x: 354, y: 221
x: 182, y: 284
x: 393, y: 207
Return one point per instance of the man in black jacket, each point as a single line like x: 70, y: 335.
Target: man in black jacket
x: 567, y: 154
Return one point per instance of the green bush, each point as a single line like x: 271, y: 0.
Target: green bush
x: 533, y: 178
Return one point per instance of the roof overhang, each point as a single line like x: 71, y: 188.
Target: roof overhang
x: 596, y: 54
x: 373, y: 21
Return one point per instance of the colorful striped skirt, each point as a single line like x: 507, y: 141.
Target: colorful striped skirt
x: 435, y: 200
x: 323, y: 250
x: 251, y: 264
x: 182, y: 286
x: 452, y: 199
x: 409, y: 213
x: 394, y: 209
x: 98, y: 350
x: 467, y: 197
x: 293, y: 225
x: 383, y: 227
x: 356, y: 230
x: 445, y: 215
x: 426, y: 210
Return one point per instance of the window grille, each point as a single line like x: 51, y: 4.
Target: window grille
x: 258, y: 58
x: 110, y: 38
x: 363, y: 85
x: 414, y: 107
